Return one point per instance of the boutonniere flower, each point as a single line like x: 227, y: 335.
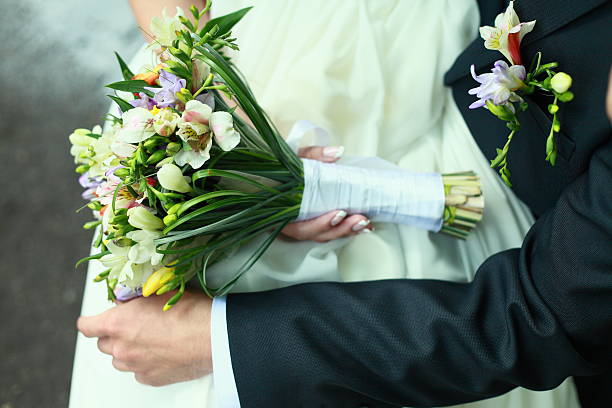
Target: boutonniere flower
x: 502, y: 90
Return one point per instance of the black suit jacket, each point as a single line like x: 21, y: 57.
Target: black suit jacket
x: 532, y: 316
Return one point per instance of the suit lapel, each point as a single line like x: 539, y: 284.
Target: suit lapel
x: 550, y: 15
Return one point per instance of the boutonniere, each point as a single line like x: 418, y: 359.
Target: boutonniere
x: 502, y: 90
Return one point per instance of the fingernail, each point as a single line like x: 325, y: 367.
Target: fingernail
x: 361, y: 225
x: 333, y: 152
x: 365, y: 231
x: 340, y: 215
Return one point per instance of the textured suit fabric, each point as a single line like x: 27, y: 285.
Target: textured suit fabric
x: 532, y: 316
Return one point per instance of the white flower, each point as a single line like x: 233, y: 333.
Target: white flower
x: 196, y: 112
x: 195, y: 158
x: 195, y: 133
x: 140, y: 217
x: 144, y: 249
x: 165, y: 122
x: 117, y: 260
x: 81, y: 143
x: 164, y: 28
x: 171, y: 178
x: 137, y: 126
x: 122, y: 149
x: 507, y: 34
x: 104, y: 157
x: 222, y: 125
x: 122, y: 268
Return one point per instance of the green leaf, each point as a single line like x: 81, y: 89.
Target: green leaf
x: 125, y: 70
x: 123, y: 105
x: 222, y: 173
x: 205, y: 197
x: 133, y: 86
x: 226, y: 22
x: 92, y: 257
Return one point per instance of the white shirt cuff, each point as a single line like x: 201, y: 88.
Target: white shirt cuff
x: 226, y: 392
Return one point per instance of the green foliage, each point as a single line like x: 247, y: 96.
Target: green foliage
x: 125, y: 70
x: 225, y: 23
x: 133, y: 86
x: 123, y: 105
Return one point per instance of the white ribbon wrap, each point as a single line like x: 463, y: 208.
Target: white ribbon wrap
x: 371, y: 186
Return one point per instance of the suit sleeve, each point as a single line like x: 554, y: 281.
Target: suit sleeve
x: 532, y: 317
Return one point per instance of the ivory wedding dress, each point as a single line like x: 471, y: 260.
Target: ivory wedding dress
x: 370, y: 72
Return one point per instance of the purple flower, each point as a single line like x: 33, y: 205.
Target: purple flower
x: 143, y: 102
x: 124, y: 293
x: 499, y: 86
x: 170, y: 86
x: 90, y: 184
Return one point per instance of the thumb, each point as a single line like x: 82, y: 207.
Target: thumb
x: 328, y: 154
x: 94, y: 326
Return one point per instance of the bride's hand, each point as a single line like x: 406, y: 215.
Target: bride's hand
x: 335, y: 224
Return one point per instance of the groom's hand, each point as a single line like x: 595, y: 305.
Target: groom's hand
x: 335, y: 224
x: 159, y: 347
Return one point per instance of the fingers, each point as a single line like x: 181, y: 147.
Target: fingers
x: 93, y: 326
x: 309, y: 229
x: 355, y: 224
x: 121, y: 365
x: 328, y: 154
x: 333, y: 225
x: 105, y: 345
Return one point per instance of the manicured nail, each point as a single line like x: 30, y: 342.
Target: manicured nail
x: 365, y: 231
x: 361, y: 225
x: 340, y: 215
x: 333, y: 152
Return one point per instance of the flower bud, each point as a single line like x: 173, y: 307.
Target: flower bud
x: 501, y: 111
x: 184, y: 95
x: 171, y: 178
x: 82, y: 169
x: 95, y: 205
x: 157, y: 156
x: 170, y: 219
x: 91, y: 224
x: 152, y: 142
x: 167, y: 160
x: 149, y: 77
x: 122, y: 172
x: 561, y: 82
x: 173, y: 300
x: 174, y: 209
x: 158, y: 279
x: 140, y: 217
x: 173, y: 148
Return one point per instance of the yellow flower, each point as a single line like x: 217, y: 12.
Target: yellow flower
x: 158, y: 279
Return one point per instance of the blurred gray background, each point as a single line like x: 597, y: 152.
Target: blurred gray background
x: 55, y: 57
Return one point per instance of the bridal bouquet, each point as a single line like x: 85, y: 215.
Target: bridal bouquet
x: 179, y: 180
